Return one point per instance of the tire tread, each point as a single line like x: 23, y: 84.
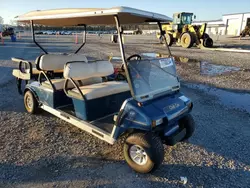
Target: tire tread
x: 152, y: 144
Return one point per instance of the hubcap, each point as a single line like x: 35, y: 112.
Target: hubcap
x: 186, y: 40
x: 138, y: 155
x: 29, y: 102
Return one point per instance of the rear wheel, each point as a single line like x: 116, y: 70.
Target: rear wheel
x: 242, y: 34
x: 186, y: 40
x: 30, y: 103
x: 170, y: 39
x: 187, y: 122
x: 144, y: 152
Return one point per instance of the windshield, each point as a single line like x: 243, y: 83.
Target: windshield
x: 186, y: 19
x: 152, y: 77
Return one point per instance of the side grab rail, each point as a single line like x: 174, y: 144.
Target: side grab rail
x: 43, y: 74
x: 66, y: 88
x: 23, y: 65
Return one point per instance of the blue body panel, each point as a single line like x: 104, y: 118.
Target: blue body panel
x: 80, y: 108
x: 90, y: 110
x: 49, y: 97
x: 170, y: 108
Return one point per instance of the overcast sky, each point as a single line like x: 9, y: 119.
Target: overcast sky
x: 204, y: 9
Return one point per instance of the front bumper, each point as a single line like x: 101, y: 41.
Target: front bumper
x: 176, y: 108
x: 174, y: 138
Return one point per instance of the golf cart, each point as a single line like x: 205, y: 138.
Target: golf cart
x: 147, y: 107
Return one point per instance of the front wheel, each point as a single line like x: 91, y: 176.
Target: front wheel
x: 186, y: 40
x: 144, y: 152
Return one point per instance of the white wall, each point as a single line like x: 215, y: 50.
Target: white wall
x: 214, y: 27
x: 241, y: 21
x: 147, y: 32
x: 222, y: 30
x: 217, y: 22
x: 215, y: 30
x: 129, y: 32
x: 234, y: 23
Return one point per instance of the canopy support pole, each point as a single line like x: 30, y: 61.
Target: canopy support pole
x: 84, y: 40
x: 34, y: 38
x: 124, y: 61
x: 164, y: 37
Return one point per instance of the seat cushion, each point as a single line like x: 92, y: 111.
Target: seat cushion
x: 59, y: 83
x: 102, y: 89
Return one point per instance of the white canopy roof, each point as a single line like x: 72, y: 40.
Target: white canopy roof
x: 90, y: 16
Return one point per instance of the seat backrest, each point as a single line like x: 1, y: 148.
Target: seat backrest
x: 82, y: 71
x: 53, y: 62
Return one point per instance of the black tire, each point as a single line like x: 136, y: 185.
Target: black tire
x: 205, y: 36
x: 153, y: 147
x: 186, y: 40
x: 243, y: 35
x: 208, y: 42
x: 170, y: 39
x: 30, y: 103
x: 188, y: 123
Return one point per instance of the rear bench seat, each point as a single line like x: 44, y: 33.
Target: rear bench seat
x: 100, y: 90
x: 83, y: 71
x: 55, y: 63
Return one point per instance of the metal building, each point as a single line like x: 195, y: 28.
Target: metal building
x: 230, y: 24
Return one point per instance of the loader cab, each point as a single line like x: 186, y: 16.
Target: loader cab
x: 183, y: 18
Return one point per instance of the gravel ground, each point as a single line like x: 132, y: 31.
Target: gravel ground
x: 43, y: 151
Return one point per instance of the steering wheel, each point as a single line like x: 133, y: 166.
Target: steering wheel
x: 138, y: 57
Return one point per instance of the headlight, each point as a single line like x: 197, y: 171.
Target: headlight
x: 184, y: 99
x: 157, y: 122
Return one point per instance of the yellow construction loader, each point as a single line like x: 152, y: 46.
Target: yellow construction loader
x: 245, y: 32
x: 183, y: 33
x: 8, y: 32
